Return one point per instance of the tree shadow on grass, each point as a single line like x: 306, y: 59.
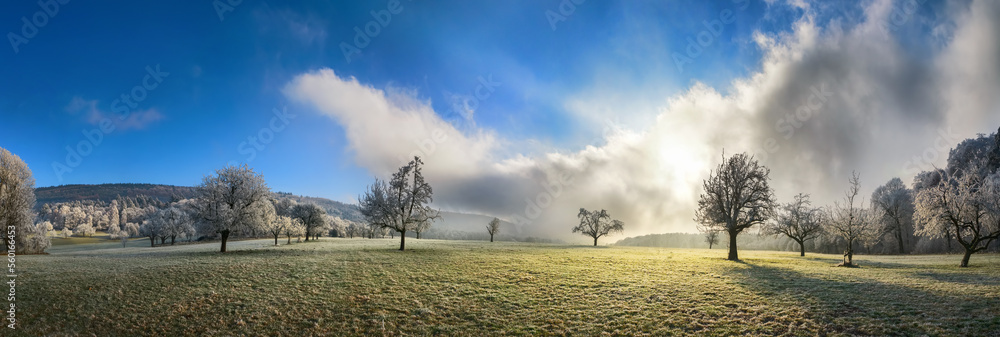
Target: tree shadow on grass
x: 963, y: 278
x: 864, y: 306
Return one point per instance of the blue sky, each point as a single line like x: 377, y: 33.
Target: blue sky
x: 543, y: 107
x: 225, y: 76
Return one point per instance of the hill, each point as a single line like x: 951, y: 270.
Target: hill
x: 108, y: 192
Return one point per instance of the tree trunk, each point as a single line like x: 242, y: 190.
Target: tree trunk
x: 418, y: 235
x: 595, y: 241
x: 710, y: 245
x: 152, y: 241
x: 491, y: 237
x: 899, y: 238
x: 402, y: 240
x: 307, y: 234
x: 733, y: 255
x: 276, y: 239
x: 965, y: 259
x: 173, y: 239
x: 850, y: 253
x: 289, y: 239
x: 225, y: 237
x: 802, y: 248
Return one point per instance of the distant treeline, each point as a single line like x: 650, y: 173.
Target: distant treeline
x: 107, y: 192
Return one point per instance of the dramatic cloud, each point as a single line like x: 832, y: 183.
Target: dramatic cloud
x: 829, y: 98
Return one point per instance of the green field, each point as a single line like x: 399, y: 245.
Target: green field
x: 365, y: 287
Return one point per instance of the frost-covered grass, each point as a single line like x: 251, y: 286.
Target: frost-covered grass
x: 365, y: 287
x: 98, y: 237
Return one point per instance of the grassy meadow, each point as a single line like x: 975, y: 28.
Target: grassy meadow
x: 366, y: 287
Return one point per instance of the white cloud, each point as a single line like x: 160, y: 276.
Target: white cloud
x: 136, y: 120
x: 826, y: 100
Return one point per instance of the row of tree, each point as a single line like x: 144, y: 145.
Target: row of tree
x: 960, y: 203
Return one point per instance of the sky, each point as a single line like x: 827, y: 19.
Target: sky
x: 525, y: 110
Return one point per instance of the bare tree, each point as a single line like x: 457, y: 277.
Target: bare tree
x: 229, y: 200
x: 797, y: 220
x: 17, y: 200
x: 895, y: 203
x: 850, y: 220
x: 401, y: 204
x: 711, y: 234
x: 493, y: 228
x: 596, y: 224
x: 355, y: 229
x: 736, y: 197
x: 967, y: 206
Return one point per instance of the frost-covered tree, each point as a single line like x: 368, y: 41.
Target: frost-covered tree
x: 493, y: 228
x: 797, y: 220
x: 966, y: 205
x: 850, y: 220
x: 973, y: 156
x: 736, y: 197
x: 37, y: 237
x: 84, y: 230
x: 131, y: 228
x: 113, y: 215
x: 123, y: 236
x: 153, y: 228
x: 45, y: 226
x: 596, y: 224
x: 421, y: 227
x: 894, y: 203
x: 279, y: 226
x: 17, y: 200
x: 176, y: 222
x: 357, y: 229
x: 401, y: 204
x: 294, y: 228
x: 311, y: 216
x: 229, y: 201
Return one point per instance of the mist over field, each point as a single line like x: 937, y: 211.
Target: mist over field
x: 556, y: 167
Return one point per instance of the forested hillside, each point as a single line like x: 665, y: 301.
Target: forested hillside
x: 108, y: 192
